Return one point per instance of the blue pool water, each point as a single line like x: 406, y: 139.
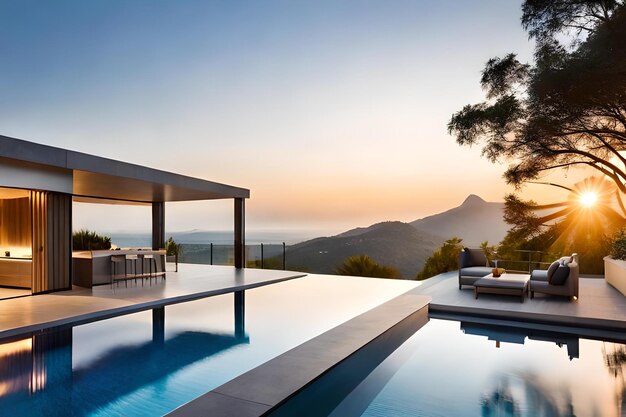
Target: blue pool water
x: 447, y: 368
x: 460, y: 368
x: 115, y: 368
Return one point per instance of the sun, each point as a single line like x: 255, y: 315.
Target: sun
x: 589, y: 199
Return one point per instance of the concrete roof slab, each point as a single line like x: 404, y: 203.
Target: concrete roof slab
x: 97, y: 177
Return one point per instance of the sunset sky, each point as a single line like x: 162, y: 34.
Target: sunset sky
x: 333, y: 113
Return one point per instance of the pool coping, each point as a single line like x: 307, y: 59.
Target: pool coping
x: 266, y: 387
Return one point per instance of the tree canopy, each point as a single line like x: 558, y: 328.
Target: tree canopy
x: 568, y: 107
x: 364, y: 266
x: 444, y: 259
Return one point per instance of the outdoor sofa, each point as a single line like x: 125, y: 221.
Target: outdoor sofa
x: 561, y: 278
x: 473, y: 265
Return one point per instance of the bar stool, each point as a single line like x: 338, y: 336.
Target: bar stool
x: 116, y: 263
x: 132, y: 259
x: 151, y: 263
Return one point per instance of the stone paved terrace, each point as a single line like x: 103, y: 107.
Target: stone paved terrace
x: 81, y: 305
x: 599, y: 306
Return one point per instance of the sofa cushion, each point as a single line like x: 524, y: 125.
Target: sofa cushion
x: 475, y: 271
x: 552, y: 268
x: 476, y: 257
x: 539, y: 275
x: 560, y: 275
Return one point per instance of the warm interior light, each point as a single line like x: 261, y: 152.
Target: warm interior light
x: 588, y: 199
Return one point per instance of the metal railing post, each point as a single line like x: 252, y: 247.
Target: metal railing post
x: 211, y: 251
x: 284, y: 263
x: 262, y: 259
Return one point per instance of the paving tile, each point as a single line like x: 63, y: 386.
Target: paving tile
x: 599, y: 304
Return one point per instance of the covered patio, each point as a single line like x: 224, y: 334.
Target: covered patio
x: 50, y: 179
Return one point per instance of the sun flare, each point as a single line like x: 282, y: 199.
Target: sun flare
x: 588, y: 199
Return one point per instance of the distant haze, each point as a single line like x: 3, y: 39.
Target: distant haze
x: 475, y: 221
x: 333, y: 113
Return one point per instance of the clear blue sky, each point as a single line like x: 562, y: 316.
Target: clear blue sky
x: 332, y: 112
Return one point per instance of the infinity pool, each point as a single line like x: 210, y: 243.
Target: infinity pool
x: 115, y: 368
x: 447, y: 368
x: 464, y: 369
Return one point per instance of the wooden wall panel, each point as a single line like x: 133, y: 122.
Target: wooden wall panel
x: 51, y: 215
x: 15, y: 224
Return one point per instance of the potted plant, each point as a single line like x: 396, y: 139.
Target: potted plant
x: 615, y: 264
x: 173, y: 251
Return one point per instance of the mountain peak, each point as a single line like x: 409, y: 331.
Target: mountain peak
x: 473, y: 199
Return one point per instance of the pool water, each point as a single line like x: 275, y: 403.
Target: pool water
x: 115, y: 367
x: 452, y: 368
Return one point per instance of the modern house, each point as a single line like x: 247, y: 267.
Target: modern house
x: 38, y: 184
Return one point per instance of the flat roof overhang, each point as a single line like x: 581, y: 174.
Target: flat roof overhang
x: 92, y: 177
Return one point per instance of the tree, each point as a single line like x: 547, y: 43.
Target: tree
x: 364, y: 266
x: 567, y: 108
x: 173, y: 249
x: 564, y: 227
x: 444, y: 259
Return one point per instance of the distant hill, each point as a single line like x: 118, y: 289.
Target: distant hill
x: 476, y: 220
x: 394, y: 244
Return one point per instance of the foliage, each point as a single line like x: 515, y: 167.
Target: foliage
x: 274, y: 262
x: 567, y: 108
x: 87, y: 240
x: 364, y: 266
x: 444, y: 259
x: 563, y: 228
x: 490, y: 252
x: 618, y: 245
x: 172, y: 248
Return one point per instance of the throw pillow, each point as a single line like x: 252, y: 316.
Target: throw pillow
x: 476, y: 257
x: 560, y: 275
x: 552, y: 268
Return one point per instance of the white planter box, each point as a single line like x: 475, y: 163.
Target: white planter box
x: 615, y: 273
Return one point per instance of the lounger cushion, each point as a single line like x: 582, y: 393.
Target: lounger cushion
x: 539, y: 275
x: 475, y: 271
x: 560, y: 275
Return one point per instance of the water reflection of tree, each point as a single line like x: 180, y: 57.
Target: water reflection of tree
x: 500, y: 402
x: 615, y: 361
x: 533, y: 395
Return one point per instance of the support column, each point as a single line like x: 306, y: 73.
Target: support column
x: 240, y: 313
x: 158, y: 325
x: 240, y: 233
x: 158, y: 225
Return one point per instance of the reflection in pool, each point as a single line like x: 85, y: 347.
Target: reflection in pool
x: 451, y: 368
x: 122, y: 367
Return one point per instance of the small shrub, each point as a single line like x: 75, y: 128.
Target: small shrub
x: 444, y: 259
x: 87, y: 240
x: 172, y: 248
x: 364, y: 266
x: 618, y: 245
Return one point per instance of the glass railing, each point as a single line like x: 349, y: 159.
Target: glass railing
x: 262, y: 256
